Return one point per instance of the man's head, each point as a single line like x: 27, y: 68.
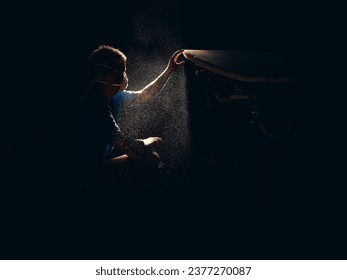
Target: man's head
x: 107, y: 65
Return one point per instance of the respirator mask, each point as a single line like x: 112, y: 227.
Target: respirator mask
x: 122, y: 85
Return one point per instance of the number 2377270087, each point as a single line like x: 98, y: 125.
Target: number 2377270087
x: 222, y: 270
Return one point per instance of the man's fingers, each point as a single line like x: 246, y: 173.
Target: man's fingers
x: 178, y: 52
x: 176, y: 55
x: 180, y: 63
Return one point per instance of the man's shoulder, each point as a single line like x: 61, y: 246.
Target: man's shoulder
x: 125, y: 96
x: 124, y: 93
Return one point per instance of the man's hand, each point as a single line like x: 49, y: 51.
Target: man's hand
x: 151, y: 140
x: 173, y: 63
x: 140, y: 147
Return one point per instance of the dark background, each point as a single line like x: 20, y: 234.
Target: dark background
x: 288, y: 205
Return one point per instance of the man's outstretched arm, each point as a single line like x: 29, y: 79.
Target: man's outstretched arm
x: 153, y: 88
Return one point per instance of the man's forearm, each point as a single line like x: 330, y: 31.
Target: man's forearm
x: 153, y: 88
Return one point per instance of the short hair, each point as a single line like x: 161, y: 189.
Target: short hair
x: 105, y: 55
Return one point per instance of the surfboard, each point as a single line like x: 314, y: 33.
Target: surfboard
x: 244, y: 65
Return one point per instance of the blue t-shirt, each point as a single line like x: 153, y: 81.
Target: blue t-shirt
x: 98, y: 127
x: 121, y: 100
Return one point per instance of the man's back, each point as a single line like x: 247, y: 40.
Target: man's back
x: 97, y: 130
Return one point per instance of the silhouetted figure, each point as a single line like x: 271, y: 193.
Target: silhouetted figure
x: 116, y: 168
